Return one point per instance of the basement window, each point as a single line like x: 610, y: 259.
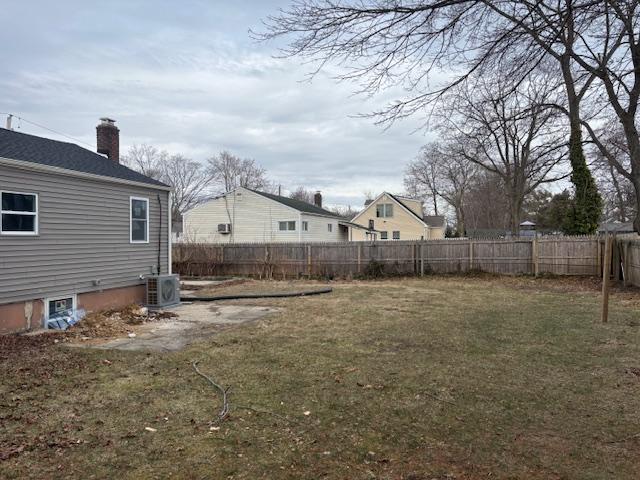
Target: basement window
x: 19, y: 213
x: 139, y: 220
x: 60, y: 312
x: 286, y: 226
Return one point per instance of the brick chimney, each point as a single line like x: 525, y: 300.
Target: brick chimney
x: 108, y: 139
x: 317, y: 199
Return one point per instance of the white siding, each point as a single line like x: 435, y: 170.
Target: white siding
x: 319, y: 231
x: 253, y: 218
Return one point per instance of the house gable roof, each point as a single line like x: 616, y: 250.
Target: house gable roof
x: 398, y: 201
x: 68, y: 156
x: 299, y: 205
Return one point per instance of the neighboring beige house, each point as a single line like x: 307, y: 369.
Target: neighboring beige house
x: 245, y: 215
x: 392, y: 217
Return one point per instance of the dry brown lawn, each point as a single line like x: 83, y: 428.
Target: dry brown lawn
x: 435, y: 378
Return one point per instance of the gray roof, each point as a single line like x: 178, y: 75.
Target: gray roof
x: 53, y: 153
x: 434, y: 220
x: 616, y: 227
x: 397, y: 199
x: 297, y: 204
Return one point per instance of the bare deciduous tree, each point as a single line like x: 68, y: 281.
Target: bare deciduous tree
x: 593, y: 44
x: 303, y: 195
x: 146, y: 159
x: 188, y: 178
x: 512, y: 134
x: 617, y: 189
x: 346, y: 212
x: 229, y: 171
x: 441, y: 172
x: 485, y: 206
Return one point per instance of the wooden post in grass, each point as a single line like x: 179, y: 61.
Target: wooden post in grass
x: 422, y: 259
x: 606, y: 271
x: 470, y: 255
x: 309, y: 261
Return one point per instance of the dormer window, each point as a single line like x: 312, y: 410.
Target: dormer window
x: 384, y: 210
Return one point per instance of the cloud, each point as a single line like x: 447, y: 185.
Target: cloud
x: 191, y: 81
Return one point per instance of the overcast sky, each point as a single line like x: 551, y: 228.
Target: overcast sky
x: 187, y: 77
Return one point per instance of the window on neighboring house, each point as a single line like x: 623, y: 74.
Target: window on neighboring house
x: 139, y: 231
x: 396, y: 235
x: 371, y: 223
x: 383, y: 235
x: 305, y: 226
x: 19, y: 213
x: 384, y: 210
x: 330, y: 227
x: 286, y: 226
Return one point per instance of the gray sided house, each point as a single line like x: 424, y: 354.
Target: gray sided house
x: 79, y: 230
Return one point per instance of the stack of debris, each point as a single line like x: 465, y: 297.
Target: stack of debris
x: 113, y: 323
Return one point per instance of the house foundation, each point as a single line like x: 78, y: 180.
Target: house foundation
x: 30, y: 315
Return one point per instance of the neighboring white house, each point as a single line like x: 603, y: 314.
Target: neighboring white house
x: 245, y: 215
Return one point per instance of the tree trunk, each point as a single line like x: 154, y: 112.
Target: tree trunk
x: 587, y: 203
x: 636, y: 186
x: 515, y: 213
x: 460, y: 226
x: 622, y: 210
x: 633, y: 144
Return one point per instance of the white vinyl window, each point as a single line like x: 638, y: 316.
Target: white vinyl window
x: 286, y: 226
x: 139, y: 220
x: 330, y: 227
x: 383, y: 235
x: 396, y: 235
x: 384, y: 210
x: 19, y: 212
x: 305, y: 226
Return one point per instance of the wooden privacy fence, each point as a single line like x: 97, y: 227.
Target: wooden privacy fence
x: 627, y: 258
x: 553, y: 255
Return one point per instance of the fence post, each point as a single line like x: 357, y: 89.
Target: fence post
x: 309, y: 264
x: 470, y: 255
x: 534, y: 255
x: 422, y: 259
x: 615, y: 248
x: 414, y: 259
x: 599, y: 258
x: 625, y: 261
x: 359, y: 257
x: 605, y: 279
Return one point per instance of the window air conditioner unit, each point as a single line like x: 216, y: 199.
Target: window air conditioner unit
x: 224, y: 228
x: 163, y: 290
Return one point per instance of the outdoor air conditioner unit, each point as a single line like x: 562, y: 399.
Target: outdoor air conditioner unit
x: 163, y: 290
x: 224, y: 228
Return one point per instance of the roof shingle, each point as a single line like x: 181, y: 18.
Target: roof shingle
x: 53, y: 153
x: 297, y: 204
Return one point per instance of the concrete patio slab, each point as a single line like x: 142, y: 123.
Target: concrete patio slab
x: 195, y: 321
